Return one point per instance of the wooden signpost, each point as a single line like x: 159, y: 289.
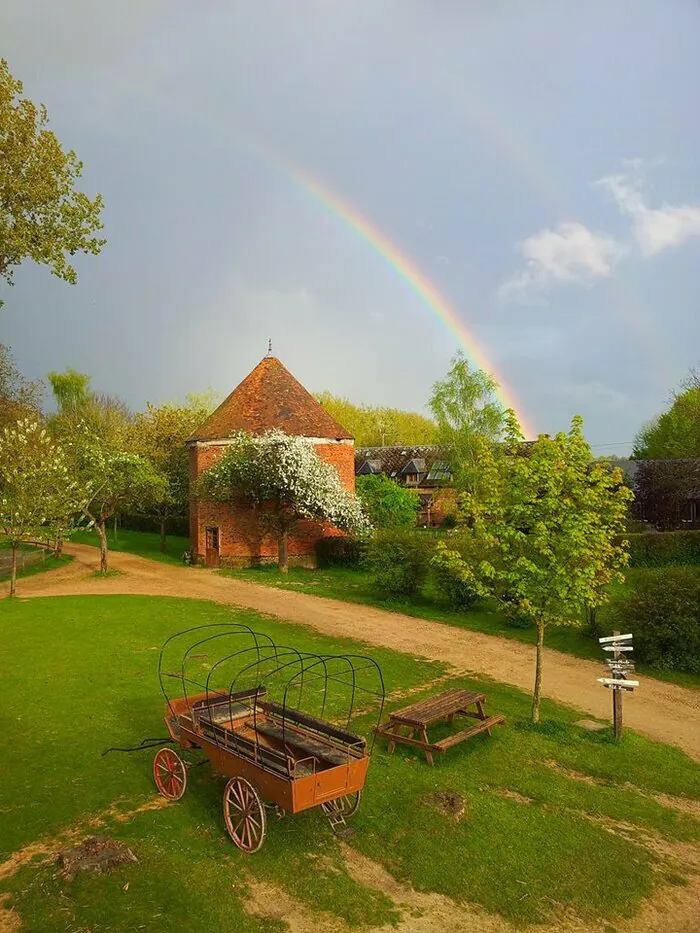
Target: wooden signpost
x: 620, y: 666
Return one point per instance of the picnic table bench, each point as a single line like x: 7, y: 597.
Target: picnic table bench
x: 441, y: 707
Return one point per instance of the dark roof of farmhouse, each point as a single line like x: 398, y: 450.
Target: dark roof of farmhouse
x: 394, y: 460
x: 270, y: 397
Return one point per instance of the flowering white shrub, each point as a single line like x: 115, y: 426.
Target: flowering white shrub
x: 38, y: 491
x: 286, y: 475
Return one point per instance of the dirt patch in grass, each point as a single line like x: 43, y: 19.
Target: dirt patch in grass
x: 507, y: 794
x: 45, y: 849
x: 270, y: 902
x: 96, y: 854
x: 9, y: 918
x: 449, y: 802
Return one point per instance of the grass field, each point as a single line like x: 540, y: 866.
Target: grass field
x: 79, y: 675
x: 356, y: 586
x: 142, y: 543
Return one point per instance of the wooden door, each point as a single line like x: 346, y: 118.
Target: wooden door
x: 211, y: 553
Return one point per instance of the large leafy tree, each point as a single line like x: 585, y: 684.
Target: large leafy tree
x: 19, y: 398
x: 467, y: 411
x: 81, y: 409
x: 377, y: 426
x: 286, y: 480
x: 159, y: 434
x: 675, y: 434
x: 543, y: 534
x: 42, y: 215
x: 387, y: 504
x: 38, y: 490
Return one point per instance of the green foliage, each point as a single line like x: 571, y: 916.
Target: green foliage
x: 38, y: 489
x: 374, y: 426
x: 466, y: 409
x: 542, y: 530
x: 71, y: 389
x: 113, y: 481
x: 387, y: 504
x: 159, y: 435
x: 341, y: 551
x: 663, y: 612
x: 82, y: 411
x: 399, y: 562
x: 19, y: 398
x: 42, y: 215
x: 675, y: 433
x: 458, y: 590
x: 664, y: 549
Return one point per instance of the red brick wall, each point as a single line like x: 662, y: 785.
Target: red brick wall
x: 242, y: 540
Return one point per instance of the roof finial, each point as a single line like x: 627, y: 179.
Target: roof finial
x: 269, y: 347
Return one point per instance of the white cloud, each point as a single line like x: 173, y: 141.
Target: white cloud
x: 571, y: 252
x: 654, y: 229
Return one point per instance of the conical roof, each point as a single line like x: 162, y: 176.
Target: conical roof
x: 270, y: 397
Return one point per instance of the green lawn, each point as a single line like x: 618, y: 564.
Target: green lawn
x: 143, y: 543
x: 356, y: 586
x: 79, y: 676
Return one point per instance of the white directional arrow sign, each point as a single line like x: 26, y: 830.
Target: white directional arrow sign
x: 618, y: 648
x: 612, y: 682
x: 613, y: 638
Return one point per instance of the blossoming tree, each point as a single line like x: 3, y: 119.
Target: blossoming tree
x: 38, y: 491
x: 543, y: 534
x: 285, y: 478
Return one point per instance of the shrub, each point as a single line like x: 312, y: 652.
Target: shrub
x: 663, y: 613
x: 387, y: 504
x: 340, y: 551
x: 664, y: 549
x: 400, y: 562
x: 454, y: 586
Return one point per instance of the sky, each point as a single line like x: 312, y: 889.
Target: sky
x: 530, y: 170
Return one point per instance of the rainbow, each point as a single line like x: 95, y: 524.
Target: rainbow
x: 403, y: 265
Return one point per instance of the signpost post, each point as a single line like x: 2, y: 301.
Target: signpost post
x: 620, y: 666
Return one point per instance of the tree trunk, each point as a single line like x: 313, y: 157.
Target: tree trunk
x: 13, y: 573
x: 538, y: 672
x: 115, y: 528
x: 163, y: 521
x: 58, y: 549
x: 283, y: 557
x: 102, y: 532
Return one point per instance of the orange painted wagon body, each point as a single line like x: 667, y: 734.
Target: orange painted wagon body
x: 275, y: 754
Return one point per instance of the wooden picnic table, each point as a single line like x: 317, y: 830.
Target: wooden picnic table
x: 443, y: 706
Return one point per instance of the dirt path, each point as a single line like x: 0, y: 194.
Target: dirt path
x: 659, y: 710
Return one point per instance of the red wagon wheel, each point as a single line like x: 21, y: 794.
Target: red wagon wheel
x: 169, y: 774
x: 244, y: 815
x: 344, y: 806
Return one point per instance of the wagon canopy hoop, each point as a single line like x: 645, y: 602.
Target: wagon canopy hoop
x: 266, y: 681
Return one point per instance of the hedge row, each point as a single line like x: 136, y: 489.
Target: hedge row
x: 664, y: 549
x: 663, y: 611
x: 337, y: 551
x: 177, y: 525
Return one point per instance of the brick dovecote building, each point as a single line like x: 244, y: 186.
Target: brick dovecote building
x: 269, y: 397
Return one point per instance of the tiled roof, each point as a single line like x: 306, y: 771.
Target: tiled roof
x: 270, y: 397
x: 394, y: 461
